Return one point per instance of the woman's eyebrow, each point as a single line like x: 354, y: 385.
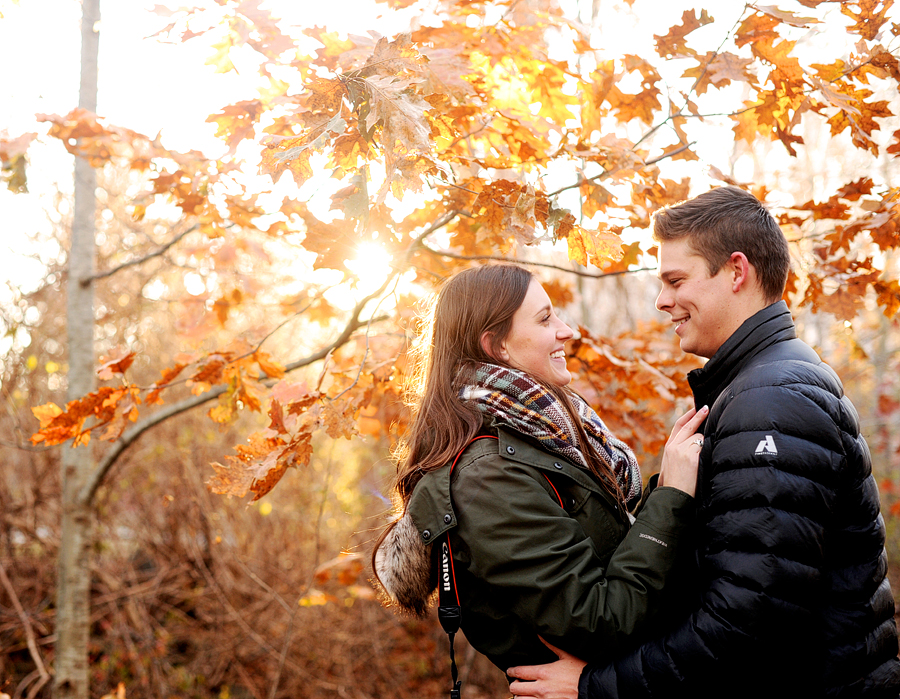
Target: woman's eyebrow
x: 542, y: 311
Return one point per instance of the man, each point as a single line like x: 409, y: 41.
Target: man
x: 788, y: 596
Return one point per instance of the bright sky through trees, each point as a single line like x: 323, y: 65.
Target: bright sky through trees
x: 154, y: 87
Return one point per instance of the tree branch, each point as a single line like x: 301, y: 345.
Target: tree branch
x: 95, y: 480
x: 29, y: 634
x: 139, y: 261
x: 499, y: 258
x: 606, y: 173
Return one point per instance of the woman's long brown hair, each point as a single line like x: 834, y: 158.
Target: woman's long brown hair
x: 471, y: 303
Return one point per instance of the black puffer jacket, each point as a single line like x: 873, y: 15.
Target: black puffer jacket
x: 790, y: 597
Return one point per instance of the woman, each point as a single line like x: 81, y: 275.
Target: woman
x: 537, y: 514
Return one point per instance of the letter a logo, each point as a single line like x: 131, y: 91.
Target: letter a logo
x: 767, y: 446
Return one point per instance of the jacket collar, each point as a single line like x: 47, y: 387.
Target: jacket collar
x: 431, y: 506
x: 765, y: 328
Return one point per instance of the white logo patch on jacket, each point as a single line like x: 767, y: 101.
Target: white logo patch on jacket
x: 767, y: 446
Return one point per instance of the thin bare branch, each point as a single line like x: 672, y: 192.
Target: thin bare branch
x: 606, y: 173
x: 530, y: 263
x: 29, y: 634
x: 24, y: 447
x: 140, y: 260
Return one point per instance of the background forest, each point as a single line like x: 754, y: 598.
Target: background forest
x: 204, y: 331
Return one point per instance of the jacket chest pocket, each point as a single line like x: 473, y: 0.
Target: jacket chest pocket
x: 573, y: 497
x: 597, y: 517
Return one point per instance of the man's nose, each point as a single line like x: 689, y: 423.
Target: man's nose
x: 663, y: 300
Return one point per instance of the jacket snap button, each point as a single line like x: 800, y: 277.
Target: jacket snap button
x: 510, y: 450
x: 557, y: 464
x: 448, y: 519
x: 426, y: 535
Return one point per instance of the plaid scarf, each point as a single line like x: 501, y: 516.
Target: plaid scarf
x: 517, y: 400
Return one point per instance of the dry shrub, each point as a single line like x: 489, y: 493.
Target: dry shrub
x: 194, y: 595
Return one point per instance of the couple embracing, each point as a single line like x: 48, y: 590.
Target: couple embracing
x: 754, y: 563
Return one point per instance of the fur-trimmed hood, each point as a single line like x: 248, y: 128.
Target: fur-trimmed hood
x: 403, y: 567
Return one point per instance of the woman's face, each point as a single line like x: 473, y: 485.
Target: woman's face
x: 536, y: 339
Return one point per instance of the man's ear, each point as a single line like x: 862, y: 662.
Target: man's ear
x: 741, y: 271
x: 488, y: 346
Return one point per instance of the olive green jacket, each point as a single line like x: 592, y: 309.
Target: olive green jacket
x: 581, y: 576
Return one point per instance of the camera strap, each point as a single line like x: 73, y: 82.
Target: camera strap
x: 449, y: 610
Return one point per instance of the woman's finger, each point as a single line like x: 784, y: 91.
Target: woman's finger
x: 690, y: 427
x: 680, y: 422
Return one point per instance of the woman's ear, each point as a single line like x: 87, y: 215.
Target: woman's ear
x: 487, y: 345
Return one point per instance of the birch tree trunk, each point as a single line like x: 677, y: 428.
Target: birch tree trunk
x: 74, y: 582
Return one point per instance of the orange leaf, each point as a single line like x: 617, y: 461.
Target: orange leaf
x: 272, y: 370
x: 870, y: 17
x: 231, y: 479
x: 168, y: 375
x: 339, y: 422
x: 673, y: 43
x: 114, y: 365
x: 262, y: 486
x: 593, y: 247
x: 343, y: 569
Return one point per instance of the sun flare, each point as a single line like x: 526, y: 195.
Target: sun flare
x: 372, y: 265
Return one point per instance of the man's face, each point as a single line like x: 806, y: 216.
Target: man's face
x: 703, y: 307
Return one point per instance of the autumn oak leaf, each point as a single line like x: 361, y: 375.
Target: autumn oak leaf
x: 674, y: 43
x: 114, y: 365
x: 593, y: 247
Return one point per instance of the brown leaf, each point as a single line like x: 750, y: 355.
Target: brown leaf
x: 400, y: 112
x: 756, y: 27
x: 727, y: 67
x: 344, y: 569
x: 869, y: 19
x: 339, y: 420
x: 264, y: 485
x: 231, y: 479
x: 559, y: 291
x: 888, y: 296
x: 117, y: 363
x: 674, y: 44
x: 786, y: 17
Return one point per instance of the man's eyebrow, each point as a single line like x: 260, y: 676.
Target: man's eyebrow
x: 668, y: 274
